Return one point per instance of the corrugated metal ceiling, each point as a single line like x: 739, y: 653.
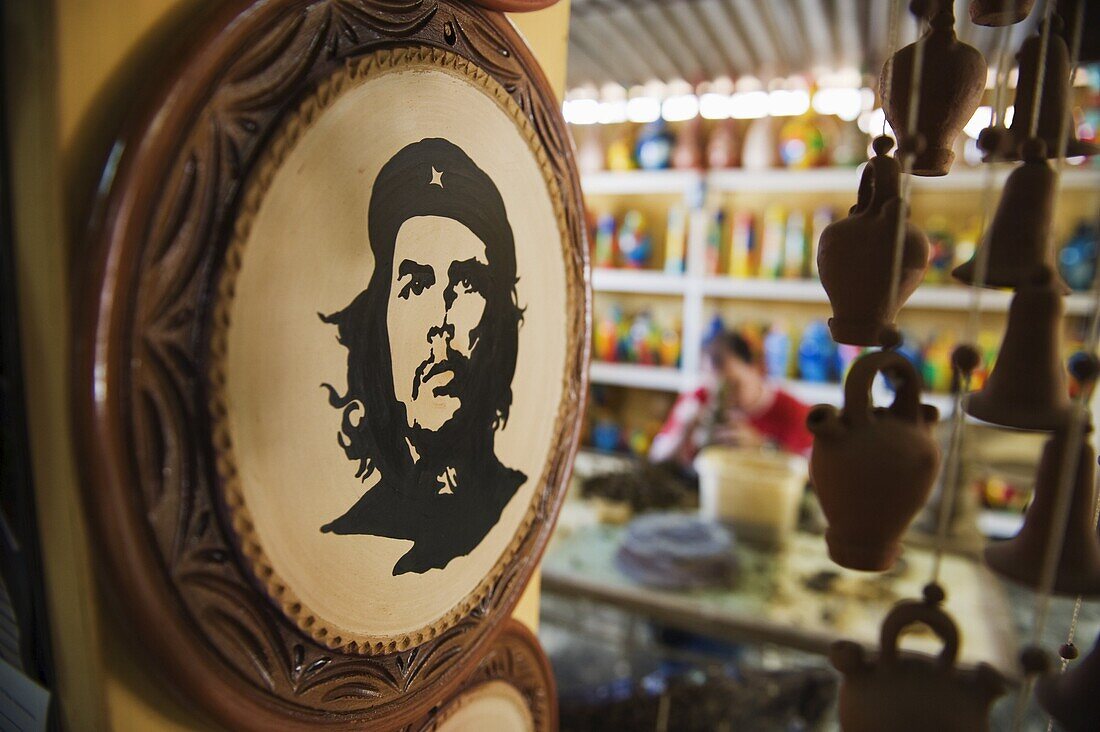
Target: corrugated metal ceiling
x: 635, y: 41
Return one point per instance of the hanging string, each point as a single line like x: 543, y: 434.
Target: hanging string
x: 951, y: 478
x: 894, y: 25
x: 908, y: 154
x: 1077, y: 421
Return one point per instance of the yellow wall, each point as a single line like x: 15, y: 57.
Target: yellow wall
x: 62, y: 55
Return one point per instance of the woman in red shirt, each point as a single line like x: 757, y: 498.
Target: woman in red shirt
x: 744, y: 408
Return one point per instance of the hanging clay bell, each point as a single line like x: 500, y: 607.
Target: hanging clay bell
x: 1018, y: 239
x: 999, y: 12
x: 1027, y: 388
x: 951, y: 86
x: 913, y: 692
x: 1001, y: 144
x: 872, y: 468
x: 856, y: 254
x: 1021, y: 558
x: 1072, y: 698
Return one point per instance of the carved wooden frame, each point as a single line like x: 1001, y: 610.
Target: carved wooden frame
x: 164, y: 220
x: 517, y: 659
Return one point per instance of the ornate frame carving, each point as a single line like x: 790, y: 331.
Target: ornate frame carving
x: 164, y: 220
x: 517, y: 659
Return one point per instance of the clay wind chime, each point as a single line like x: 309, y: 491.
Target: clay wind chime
x: 873, y: 468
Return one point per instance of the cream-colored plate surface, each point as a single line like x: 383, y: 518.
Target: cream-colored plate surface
x: 307, y: 253
x: 489, y: 707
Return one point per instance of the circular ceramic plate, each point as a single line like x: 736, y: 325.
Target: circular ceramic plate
x: 335, y: 347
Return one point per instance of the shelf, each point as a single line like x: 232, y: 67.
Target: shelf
x: 820, y: 180
x: 658, y: 378
x: 812, y: 393
x: 646, y: 282
x: 642, y: 181
x: 927, y: 297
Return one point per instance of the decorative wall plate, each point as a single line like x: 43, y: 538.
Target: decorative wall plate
x: 333, y: 355
x: 512, y: 689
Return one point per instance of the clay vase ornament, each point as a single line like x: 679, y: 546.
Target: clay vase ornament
x: 1019, y: 238
x: 855, y: 257
x: 687, y: 153
x: 999, y: 12
x: 913, y: 692
x: 872, y: 468
x: 1027, y: 388
x: 1002, y: 144
x: 1021, y: 558
x: 1072, y: 698
x: 951, y: 86
x: 724, y: 146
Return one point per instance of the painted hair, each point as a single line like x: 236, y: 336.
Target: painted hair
x: 404, y: 190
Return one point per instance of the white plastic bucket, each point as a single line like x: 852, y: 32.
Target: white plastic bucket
x: 755, y: 491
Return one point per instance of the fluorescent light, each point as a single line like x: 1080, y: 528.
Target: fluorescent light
x: 611, y: 113
x: 845, y: 103
x: 581, y: 111
x: 680, y: 107
x: 749, y: 105
x: 714, y: 106
x: 788, y: 102
x: 643, y: 109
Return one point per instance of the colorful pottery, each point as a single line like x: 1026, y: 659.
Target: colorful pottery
x: 1070, y: 698
x: 999, y: 12
x: 911, y: 692
x: 1027, y: 388
x: 951, y: 85
x: 873, y: 468
x: 856, y: 254
x: 1021, y: 558
x: 1019, y: 238
x: 1054, y: 125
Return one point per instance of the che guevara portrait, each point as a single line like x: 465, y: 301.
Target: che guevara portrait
x: 397, y: 338
x: 431, y: 352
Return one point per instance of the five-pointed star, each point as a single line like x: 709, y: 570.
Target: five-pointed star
x: 437, y: 178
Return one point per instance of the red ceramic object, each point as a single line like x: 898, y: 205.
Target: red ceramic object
x: 1002, y: 144
x: 856, y: 254
x: 1072, y: 698
x: 951, y: 86
x: 911, y: 692
x: 687, y: 153
x: 999, y: 12
x: 514, y: 6
x: 1027, y: 388
x: 724, y: 146
x: 872, y: 468
x: 1021, y: 558
x: 1018, y: 239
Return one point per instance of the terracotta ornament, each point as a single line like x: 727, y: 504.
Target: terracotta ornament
x: 1071, y: 697
x: 873, y: 467
x: 999, y: 12
x: 951, y: 85
x: 855, y: 257
x: 1021, y: 558
x: 1019, y: 238
x: 1005, y: 144
x: 1027, y: 388
x: 913, y: 692
x: 687, y: 153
